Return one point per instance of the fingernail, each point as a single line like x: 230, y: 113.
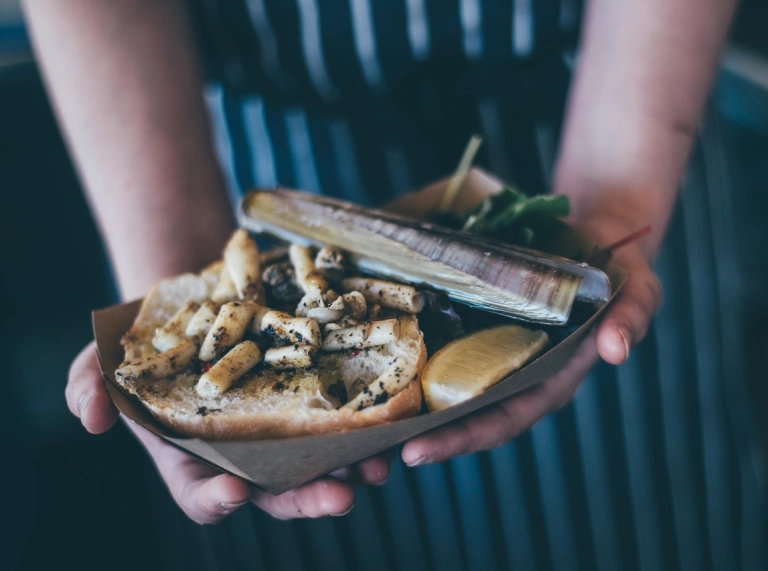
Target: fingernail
x: 419, y: 461
x: 82, y: 404
x: 384, y: 481
x: 625, y: 337
x: 229, y: 507
x: 349, y: 509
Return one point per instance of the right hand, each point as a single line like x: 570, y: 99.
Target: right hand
x: 204, y: 493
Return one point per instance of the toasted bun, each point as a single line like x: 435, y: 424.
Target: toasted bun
x: 267, y: 403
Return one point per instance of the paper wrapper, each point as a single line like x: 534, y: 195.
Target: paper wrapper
x: 280, y: 465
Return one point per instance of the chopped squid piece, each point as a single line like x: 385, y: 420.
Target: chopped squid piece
x: 368, y: 334
x: 355, y: 309
x: 259, y: 311
x: 174, y: 332
x: 331, y: 296
x: 241, y: 257
x: 355, y: 306
x: 288, y: 328
x: 291, y: 357
x: 238, y: 361
x: 373, y: 312
x: 388, y: 294
x: 333, y: 312
x: 225, y: 289
x: 385, y: 386
x: 164, y: 364
x: 203, y: 319
x: 227, y: 330
x: 330, y: 261
x: 332, y: 327
x: 311, y: 281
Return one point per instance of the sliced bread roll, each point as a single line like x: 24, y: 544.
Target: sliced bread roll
x: 268, y: 403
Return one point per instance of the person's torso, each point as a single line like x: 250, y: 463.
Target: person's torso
x: 367, y: 99
x: 338, y: 53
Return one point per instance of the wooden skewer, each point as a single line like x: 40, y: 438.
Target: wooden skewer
x: 458, y: 178
x: 618, y: 244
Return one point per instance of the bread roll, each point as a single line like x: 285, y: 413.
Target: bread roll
x: 268, y: 403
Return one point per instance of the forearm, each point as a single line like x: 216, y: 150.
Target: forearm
x: 643, y: 74
x: 125, y: 83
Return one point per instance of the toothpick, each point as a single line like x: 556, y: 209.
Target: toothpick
x: 619, y: 243
x: 458, y: 178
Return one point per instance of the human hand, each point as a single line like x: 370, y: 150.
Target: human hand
x: 623, y: 325
x: 204, y: 493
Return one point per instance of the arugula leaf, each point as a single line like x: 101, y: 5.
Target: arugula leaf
x: 478, y: 218
x: 511, y: 215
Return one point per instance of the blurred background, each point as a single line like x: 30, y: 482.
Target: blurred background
x: 73, y: 498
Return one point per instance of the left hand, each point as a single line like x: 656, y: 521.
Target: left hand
x: 202, y: 492
x: 623, y: 325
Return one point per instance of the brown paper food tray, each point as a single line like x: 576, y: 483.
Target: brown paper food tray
x: 280, y: 465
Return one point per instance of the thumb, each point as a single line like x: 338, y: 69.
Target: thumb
x: 86, y: 394
x: 627, y: 319
x: 208, y: 500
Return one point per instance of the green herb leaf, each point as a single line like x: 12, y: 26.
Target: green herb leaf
x: 509, y: 214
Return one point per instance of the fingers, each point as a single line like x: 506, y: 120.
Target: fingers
x: 210, y: 499
x: 627, y: 319
x: 202, y: 492
x: 326, y: 496
x: 86, y: 394
x: 480, y: 431
x: 373, y: 471
x: 499, y: 423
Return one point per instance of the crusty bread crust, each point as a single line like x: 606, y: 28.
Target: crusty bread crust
x: 268, y: 403
x: 268, y: 425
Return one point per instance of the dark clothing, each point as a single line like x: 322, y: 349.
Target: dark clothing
x: 651, y: 466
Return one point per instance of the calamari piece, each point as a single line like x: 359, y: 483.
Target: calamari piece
x: 291, y: 357
x: 355, y: 306
x: 287, y: 328
x: 330, y: 261
x: 311, y: 281
x: 203, y: 319
x: 241, y: 257
x: 162, y: 365
x: 386, y: 385
x: 239, y: 360
x: 368, y: 334
x: 174, y: 332
x: 333, y: 312
x: 225, y: 289
x: 355, y: 309
x: 395, y: 296
x: 228, y: 329
x: 373, y: 312
x: 331, y: 296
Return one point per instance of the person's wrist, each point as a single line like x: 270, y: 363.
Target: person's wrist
x: 609, y: 209
x: 608, y: 228
x: 614, y: 217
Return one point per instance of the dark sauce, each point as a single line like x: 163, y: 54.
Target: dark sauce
x: 439, y: 330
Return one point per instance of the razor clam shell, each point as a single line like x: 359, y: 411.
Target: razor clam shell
x: 487, y: 274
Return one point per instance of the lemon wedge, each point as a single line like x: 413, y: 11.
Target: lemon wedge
x: 469, y: 365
